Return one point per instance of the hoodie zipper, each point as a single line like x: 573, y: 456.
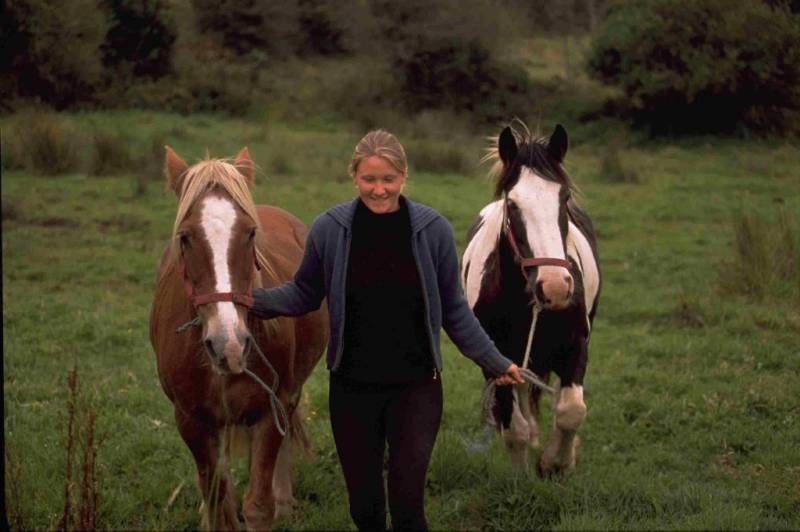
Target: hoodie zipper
x: 415, y: 251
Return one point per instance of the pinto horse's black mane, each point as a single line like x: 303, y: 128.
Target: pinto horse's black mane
x: 535, y: 154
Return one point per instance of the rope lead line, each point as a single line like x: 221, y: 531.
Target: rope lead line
x: 279, y: 415
x: 487, y: 400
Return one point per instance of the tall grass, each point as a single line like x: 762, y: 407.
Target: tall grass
x: 766, y: 255
x: 42, y: 143
x: 80, y: 511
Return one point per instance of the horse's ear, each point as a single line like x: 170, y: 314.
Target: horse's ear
x: 174, y: 169
x: 507, y: 146
x: 558, y: 143
x: 245, y: 165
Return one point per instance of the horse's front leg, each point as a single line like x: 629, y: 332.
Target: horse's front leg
x: 569, y: 413
x: 259, y: 500
x: 518, y: 436
x: 219, y: 501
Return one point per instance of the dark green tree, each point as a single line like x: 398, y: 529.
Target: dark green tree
x: 140, y: 37
x: 707, y: 65
x: 50, y: 50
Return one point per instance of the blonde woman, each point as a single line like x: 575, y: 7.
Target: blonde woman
x: 389, y: 269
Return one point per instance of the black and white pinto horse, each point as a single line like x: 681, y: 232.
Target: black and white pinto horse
x: 534, y: 248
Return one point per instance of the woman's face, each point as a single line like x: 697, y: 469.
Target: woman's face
x: 379, y: 184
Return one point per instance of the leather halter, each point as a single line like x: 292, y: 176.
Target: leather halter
x: 245, y: 300
x: 526, y: 262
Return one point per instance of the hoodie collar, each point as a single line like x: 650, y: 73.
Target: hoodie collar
x: 419, y: 214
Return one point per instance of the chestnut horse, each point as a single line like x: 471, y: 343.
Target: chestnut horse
x: 222, y: 247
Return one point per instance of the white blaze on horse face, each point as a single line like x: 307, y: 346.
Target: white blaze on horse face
x: 217, y: 219
x: 539, y: 201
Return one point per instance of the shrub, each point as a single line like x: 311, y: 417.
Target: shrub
x: 43, y: 142
x: 50, y: 50
x: 244, y: 26
x: 444, y: 54
x: 613, y: 168
x: 110, y: 156
x: 709, y: 65
x: 766, y: 256
x: 140, y: 38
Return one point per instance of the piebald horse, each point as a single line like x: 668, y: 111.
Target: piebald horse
x: 211, y: 353
x: 535, y: 247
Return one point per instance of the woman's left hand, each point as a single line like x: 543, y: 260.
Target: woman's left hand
x: 511, y: 376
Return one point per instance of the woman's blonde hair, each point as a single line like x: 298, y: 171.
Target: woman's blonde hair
x: 382, y: 143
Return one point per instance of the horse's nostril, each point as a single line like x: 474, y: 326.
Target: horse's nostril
x: 210, y: 348
x: 540, y: 292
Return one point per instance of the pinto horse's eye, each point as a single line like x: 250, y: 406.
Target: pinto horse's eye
x: 184, y: 240
x: 251, y: 233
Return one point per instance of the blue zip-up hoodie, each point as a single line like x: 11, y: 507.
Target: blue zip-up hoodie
x: 323, y: 272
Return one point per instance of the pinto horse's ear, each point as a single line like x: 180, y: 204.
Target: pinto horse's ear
x: 507, y: 146
x: 245, y: 165
x: 557, y: 145
x: 174, y: 169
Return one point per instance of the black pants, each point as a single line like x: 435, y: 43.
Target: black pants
x: 364, y: 419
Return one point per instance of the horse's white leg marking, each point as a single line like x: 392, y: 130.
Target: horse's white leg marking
x: 483, y: 242
x: 518, y: 434
x: 524, y: 394
x: 217, y: 218
x: 570, y: 411
x: 538, y: 198
x: 282, y: 480
x: 579, y: 249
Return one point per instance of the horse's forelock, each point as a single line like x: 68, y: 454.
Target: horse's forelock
x: 532, y: 152
x: 207, y: 175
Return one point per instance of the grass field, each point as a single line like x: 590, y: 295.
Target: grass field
x: 692, y: 387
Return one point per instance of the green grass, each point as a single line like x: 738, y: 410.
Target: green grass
x: 694, y: 416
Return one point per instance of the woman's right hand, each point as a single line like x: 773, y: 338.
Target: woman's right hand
x: 511, y: 376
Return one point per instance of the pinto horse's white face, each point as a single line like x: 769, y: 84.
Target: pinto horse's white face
x: 537, y: 214
x: 217, y: 252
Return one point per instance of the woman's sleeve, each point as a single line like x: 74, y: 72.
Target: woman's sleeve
x: 299, y: 296
x: 458, y: 319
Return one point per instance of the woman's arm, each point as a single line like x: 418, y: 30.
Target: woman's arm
x: 299, y: 296
x: 458, y: 319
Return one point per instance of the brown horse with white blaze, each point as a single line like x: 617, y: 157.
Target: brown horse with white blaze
x: 222, y: 247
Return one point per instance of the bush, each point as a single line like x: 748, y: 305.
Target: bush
x: 50, y: 50
x: 704, y: 66
x: 766, y: 256
x: 140, y: 38
x: 244, y: 26
x: 111, y: 155
x: 42, y: 143
x: 444, y: 55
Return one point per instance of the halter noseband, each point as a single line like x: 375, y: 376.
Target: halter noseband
x: 245, y: 300
x: 526, y: 262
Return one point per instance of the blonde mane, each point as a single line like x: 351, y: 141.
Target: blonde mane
x: 207, y: 175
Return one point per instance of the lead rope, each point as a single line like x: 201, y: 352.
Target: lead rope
x: 279, y: 415
x: 487, y: 400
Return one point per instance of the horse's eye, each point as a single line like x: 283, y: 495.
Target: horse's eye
x: 251, y: 233
x: 184, y: 239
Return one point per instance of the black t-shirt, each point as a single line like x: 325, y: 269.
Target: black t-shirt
x: 385, y: 335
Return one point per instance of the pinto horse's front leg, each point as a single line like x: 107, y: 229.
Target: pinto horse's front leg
x: 559, y: 452
x: 219, y: 500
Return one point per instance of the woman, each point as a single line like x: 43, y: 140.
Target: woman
x: 389, y: 269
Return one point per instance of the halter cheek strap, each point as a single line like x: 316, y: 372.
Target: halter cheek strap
x: 245, y: 300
